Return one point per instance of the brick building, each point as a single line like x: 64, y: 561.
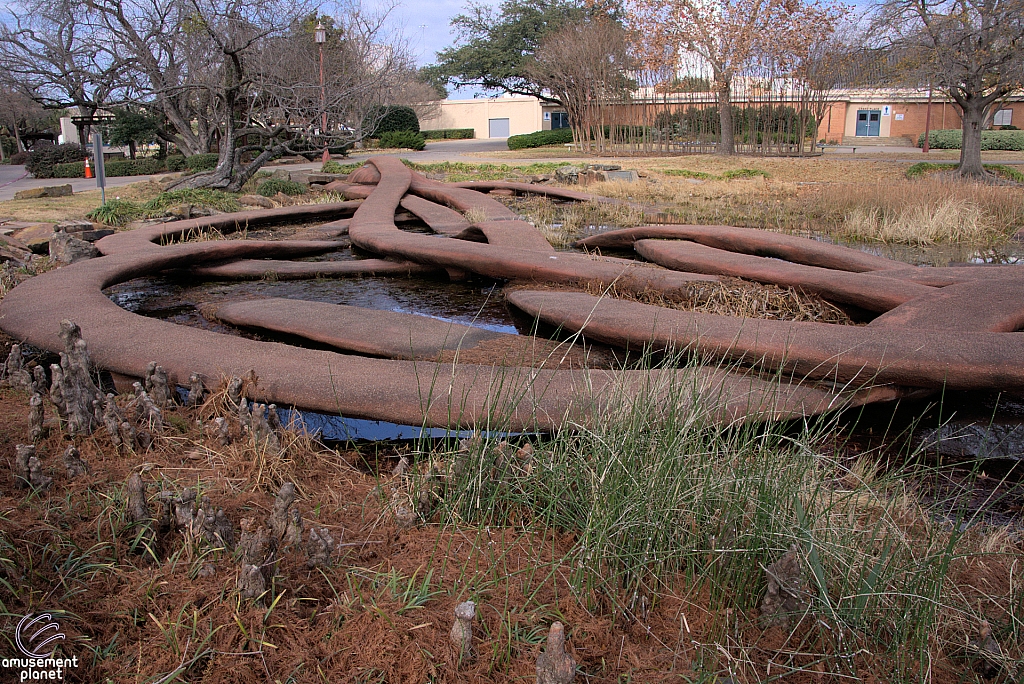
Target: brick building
x: 898, y: 116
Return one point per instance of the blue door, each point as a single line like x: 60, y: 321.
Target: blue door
x: 869, y: 122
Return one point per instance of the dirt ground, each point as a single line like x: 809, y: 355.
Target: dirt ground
x: 380, y: 612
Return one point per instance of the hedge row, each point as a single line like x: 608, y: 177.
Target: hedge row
x: 146, y: 166
x: 558, y: 136
x: 990, y: 140
x: 449, y: 134
x: 402, y: 140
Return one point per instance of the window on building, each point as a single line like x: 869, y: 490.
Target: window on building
x: 1003, y: 117
x: 559, y: 120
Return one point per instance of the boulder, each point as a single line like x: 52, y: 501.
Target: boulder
x: 282, y: 174
x: 325, y: 178
x: 283, y: 199
x: 567, y: 174
x: 255, y: 201
x: 75, y: 226
x: 66, y: 249
x: 47, y: 191
x: 35, y: 237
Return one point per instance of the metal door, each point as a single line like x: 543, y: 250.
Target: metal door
x: 497, y: 128
x: 869, y: 122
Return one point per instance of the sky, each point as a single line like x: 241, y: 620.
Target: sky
x: 425, y: 25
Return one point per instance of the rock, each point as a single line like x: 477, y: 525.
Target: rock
x: 281, y: 174
x: 73, y: 463
x: 461, y: 634
x: 539, y: 178
x: 626, y: 176
x: 319, y: 548
x: 74, y: 226
x: 602, y: 167
x: 970, y: 441
x: 95, y: 235
x: 256, y: 201
x: 47, y: 191
x: 786, y: 593
x: 554, y: 665
x: 35, y: 237
x: 323, y: 178
x: 65, y: 249
x: 35, y: 417
x: 567, y: 174
x: 283, y: 199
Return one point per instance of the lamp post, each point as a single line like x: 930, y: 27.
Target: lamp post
x: 320, y: 34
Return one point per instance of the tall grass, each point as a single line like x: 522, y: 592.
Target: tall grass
x: 659, y: 499
x: 923, y: 211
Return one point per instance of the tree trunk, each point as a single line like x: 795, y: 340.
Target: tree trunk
x: 970, y: 146
x: 727, y: 141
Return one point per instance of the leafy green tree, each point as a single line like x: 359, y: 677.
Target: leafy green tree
x: 132, y: 128
x: 494, y: 47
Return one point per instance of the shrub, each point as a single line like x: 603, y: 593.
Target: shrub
x: 217, y: 199
x: 332, y: 166
x: 175, y: 162
x: 20, y: 157
x: 201, y: 162
x: 402, y: 139
x: 449, y: 134
x: 43, y: 160
x: 951, y: 139
x: 134, y: 167
x: 559, y: 136
x: 744, y: 173
x: 116, y: 212
x: 391, y: 118
x: 271, y: 187
x: 68, y: 170
x: 922, y: 169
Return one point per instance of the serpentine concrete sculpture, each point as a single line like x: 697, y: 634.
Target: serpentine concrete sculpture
x: 932, y: 327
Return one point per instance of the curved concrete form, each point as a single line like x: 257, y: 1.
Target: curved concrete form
x: 956, y: 359
x: 859, y: 289
x: 254, y: 269
x: 454, y: 395
x: 749, y: 241
x: 952, y: 327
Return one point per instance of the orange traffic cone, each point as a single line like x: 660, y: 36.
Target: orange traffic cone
x: 88, y: 169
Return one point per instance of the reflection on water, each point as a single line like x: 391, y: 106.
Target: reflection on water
x: 1011, y: 252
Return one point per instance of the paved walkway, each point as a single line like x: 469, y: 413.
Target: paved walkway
x: 13, y: 178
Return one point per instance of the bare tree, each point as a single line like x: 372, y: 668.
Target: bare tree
x: 18, y: 113
x: 51, y: 52
x: 584, y: 65
x: 731, y: 36
x: 974, y: 49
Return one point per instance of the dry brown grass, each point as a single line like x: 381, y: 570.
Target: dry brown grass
x: 55, y: 209
x: 923, y: 211
x: 735, y: 297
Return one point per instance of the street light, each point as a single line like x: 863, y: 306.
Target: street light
x: 320, y: 35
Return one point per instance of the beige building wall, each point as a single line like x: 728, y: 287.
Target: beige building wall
x: 524, y: 115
